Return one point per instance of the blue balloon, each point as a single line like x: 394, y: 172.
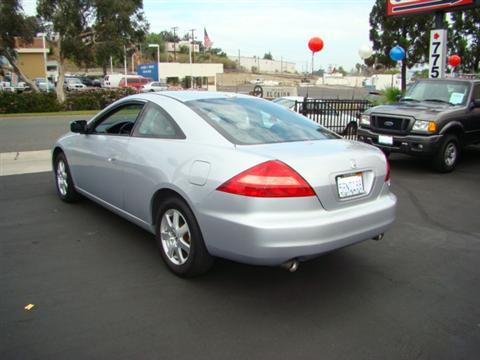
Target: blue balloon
x: 397, y: 53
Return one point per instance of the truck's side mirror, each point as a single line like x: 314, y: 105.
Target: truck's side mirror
x: 78, y: 126
x: 476, y: 103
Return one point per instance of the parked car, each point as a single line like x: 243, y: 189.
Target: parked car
x: 435, y: 119
x: 135, y: 82
x: 322, y: 112
x: 154, y: 86
x: 90, y: 81
x: 73, y: 83
x: 226, y: 175
x: 42, y: 84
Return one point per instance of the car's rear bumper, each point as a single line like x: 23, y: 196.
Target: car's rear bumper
x: 252, y: 234
x: 407, y: 144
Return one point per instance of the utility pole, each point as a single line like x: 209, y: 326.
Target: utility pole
x: 175, y: 28
x: 239, y: 59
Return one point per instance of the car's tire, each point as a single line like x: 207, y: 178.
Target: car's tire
x: 448, y: 155
x: 350, y: 131
x: 63, y: 179
x: 182, y: 248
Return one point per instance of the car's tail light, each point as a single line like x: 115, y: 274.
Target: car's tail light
x: 271, y: 179
x: 387, y: 175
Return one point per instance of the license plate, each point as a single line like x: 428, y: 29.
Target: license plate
x: 349, y: 186
x: 387, y: 140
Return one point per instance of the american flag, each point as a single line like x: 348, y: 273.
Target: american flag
x: 206, y: 40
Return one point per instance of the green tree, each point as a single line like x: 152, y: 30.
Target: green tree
x: 411, y: 33
x: 154, y: 38
x: 117, y: 25
x: 14, y: 23
x: 464, y: 38
x: 268, y: 56
x: 69, y: 19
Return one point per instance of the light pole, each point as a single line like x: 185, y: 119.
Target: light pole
x: 175, y: 28
x: 43, y: 35
x: 192, y: 44
x: 158, y: 57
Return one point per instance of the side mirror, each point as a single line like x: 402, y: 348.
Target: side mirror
x: 78, y: 126
x: 398, y: 97
x: 476, y: 103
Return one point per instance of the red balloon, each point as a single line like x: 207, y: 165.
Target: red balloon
x: 315, y: 44
x: 454, y: 60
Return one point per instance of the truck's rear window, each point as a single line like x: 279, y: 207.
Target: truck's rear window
x: 249, y: 121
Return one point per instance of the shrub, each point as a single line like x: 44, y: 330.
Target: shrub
x: 95, y: 99
x: 28, y: 102
x: 390, y: 95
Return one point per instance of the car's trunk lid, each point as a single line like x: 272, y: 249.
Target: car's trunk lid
x: 322, y: 163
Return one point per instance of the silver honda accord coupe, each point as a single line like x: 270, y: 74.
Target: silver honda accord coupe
x: 226, y: 175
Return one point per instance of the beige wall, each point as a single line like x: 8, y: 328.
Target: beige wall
x: 32, y: 64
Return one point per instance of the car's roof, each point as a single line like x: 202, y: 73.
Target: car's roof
x: 187, y: 95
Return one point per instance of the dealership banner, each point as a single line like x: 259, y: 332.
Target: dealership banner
x: 405, y: 7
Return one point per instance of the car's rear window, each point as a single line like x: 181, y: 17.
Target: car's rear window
x: 248, y: 121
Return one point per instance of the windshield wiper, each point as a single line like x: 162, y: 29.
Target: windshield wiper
x: 439, y: 101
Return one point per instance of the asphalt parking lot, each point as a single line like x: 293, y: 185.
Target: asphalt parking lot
x: 101, y: 291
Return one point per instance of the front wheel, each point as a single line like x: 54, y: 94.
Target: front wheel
x: 448, y: 154
x: 63, y: 180
x: 180, y: 240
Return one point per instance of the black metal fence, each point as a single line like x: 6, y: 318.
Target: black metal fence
x: 340, y: 116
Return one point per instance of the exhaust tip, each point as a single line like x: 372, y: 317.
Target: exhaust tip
x: 291, y: 265
x: 378, y: 237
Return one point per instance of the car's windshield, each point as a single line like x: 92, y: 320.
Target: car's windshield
x: 253, y: 121
x: 452, y: 92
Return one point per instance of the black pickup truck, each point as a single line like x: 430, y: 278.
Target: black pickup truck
x: 435, y: 119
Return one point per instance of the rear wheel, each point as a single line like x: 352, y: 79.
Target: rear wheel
x: 180, y: 240
x: 448, y: 154
x: 63, y: 180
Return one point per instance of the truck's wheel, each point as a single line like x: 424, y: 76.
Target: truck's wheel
x: 448, y: 154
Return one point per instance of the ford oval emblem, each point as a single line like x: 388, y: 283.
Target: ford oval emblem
x: 388, y: 123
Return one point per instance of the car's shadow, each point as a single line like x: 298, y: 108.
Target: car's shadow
x: 340, y: 272
x: 469, y: 162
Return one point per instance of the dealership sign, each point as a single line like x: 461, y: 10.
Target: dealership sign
x: 438, y: 51
x: 405, y: 7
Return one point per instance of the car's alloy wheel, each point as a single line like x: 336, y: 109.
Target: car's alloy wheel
x: 180, y: 240
x: 448, y: 154
x: 175, y: 236
x: 63, y: 180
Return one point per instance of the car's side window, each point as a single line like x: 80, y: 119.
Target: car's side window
x: 120, y: 122
x: 157, y: 123
x: 476, y: 93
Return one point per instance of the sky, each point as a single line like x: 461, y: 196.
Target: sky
x: 282, y: 27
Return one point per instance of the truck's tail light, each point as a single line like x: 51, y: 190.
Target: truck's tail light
x: 271, y: 179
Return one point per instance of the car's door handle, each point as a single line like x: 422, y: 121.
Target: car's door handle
x: 111, y: 159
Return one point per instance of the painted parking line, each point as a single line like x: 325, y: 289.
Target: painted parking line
x: 25, y: 162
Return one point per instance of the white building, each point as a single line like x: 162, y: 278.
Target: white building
x: 169, y: 46
x: 257, y: 64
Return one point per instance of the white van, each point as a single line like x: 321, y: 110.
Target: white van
x: 113, y: 80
